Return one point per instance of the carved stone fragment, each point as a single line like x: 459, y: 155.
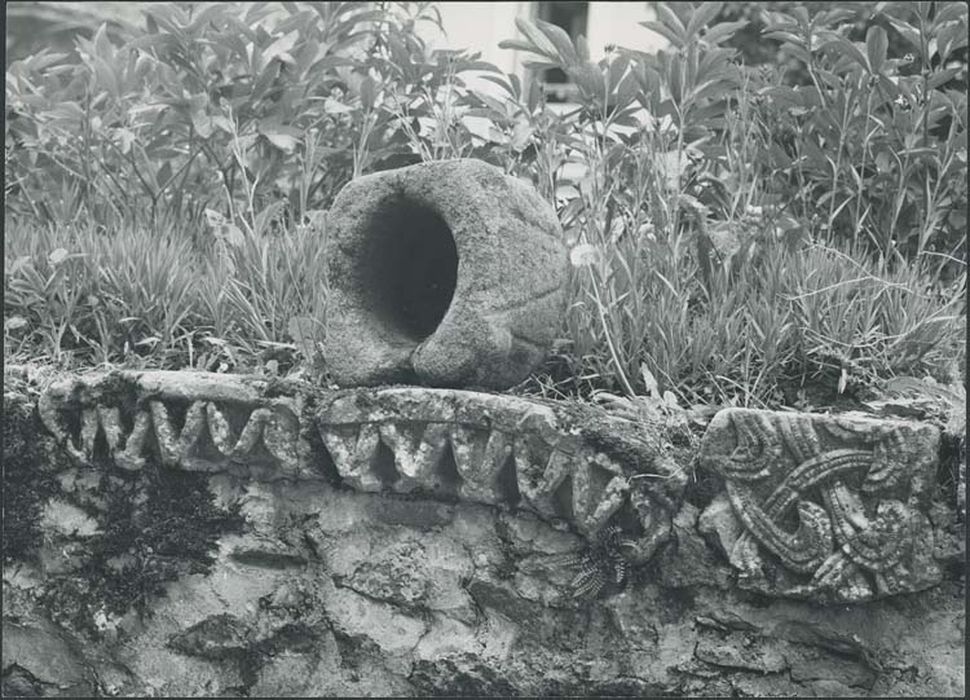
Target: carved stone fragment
x: 499, y: 450
x: 191, y: 420
x: 567, y: 462
x: 829, y: 507
x: 445, y: 274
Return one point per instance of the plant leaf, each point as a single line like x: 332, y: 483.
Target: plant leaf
x: 540, y: 43
x: 702, y: 16
x: 664, y: 31
x: 649, y: 381
x: 14, y: 322
x: 722, y: 31
x: 560, y: 39
x: 368, y: 93
x: 877, y: 42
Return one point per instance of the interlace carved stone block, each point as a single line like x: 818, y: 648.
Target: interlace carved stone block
x: 447, y: 274
x: 831, y: 508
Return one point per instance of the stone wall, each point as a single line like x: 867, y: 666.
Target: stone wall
x: 197, y: 534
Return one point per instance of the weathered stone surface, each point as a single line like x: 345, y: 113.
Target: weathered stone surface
x: 39, y: 659
x: 325, y: 589
x: 564, y: 462
x: 567, y: 462
x: 447, y: 274
x: 832, y: 507
x: 195, y: 420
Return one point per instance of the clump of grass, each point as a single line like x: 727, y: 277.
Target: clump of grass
x: 84, y: 296
x: 254, y: 290
x: 869, y: 321
x: 77, y: 296
x: 772, y: 320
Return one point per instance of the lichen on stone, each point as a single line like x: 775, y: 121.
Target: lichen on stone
x: 158, y: 526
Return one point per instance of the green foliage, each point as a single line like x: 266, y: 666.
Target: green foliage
x: 214, y: 104
x: 77, y: 296
x: 715, y: 260
x: 874, y: 148
x: 32, y: 26
x: 254, y: 288
x: 737, y: 231
x: 80, y: 294
x: 602, y: 565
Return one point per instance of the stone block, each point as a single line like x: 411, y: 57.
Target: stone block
x: 830, y: 507
x: 572, y: 463
x: 198, y: 421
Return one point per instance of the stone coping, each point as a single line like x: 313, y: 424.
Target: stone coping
x: 830, y: 508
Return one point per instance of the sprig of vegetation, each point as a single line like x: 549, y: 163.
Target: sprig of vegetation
x: 210, y: 97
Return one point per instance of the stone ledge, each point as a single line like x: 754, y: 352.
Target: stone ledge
x: 831, y: 508
x: 470, y: 592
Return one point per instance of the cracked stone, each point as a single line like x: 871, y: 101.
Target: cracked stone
x: 750, y: 655
x: 357, y: 615
x: 46, y: 655
x: 397, y: 574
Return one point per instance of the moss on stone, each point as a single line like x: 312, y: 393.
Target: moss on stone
x: 29, y: 466
x: 159, y: 525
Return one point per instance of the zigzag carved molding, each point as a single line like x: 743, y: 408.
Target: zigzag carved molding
x: 483, y: 448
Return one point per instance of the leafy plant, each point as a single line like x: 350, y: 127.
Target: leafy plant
x: 213, y: 101
x: 874, y: 143
x: 76, y: 292
x: 692, y: 231
x: 602, y: 565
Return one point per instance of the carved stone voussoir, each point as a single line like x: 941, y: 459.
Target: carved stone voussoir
x: 192, y: 420
x: 563, y: 461
x: 826, y: 507
x: 499, y: 450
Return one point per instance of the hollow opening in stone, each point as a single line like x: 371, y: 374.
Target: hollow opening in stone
x: 410, y: 267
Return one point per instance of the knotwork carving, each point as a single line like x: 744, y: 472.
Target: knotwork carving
x: 832, y: 507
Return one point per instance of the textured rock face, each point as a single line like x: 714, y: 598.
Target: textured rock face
x: 263, y: 538
x: 446, y: 274
x: 824, y: 507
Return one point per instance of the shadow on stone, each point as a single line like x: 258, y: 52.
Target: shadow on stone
x: 408, y: 266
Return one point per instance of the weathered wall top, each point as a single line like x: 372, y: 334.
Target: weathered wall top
x: 830, y: 508
x: 447, y: 274
x: 448, y: 444
x: 186, y: 533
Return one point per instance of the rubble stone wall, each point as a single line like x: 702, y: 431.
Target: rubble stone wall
x: 197, y: 534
